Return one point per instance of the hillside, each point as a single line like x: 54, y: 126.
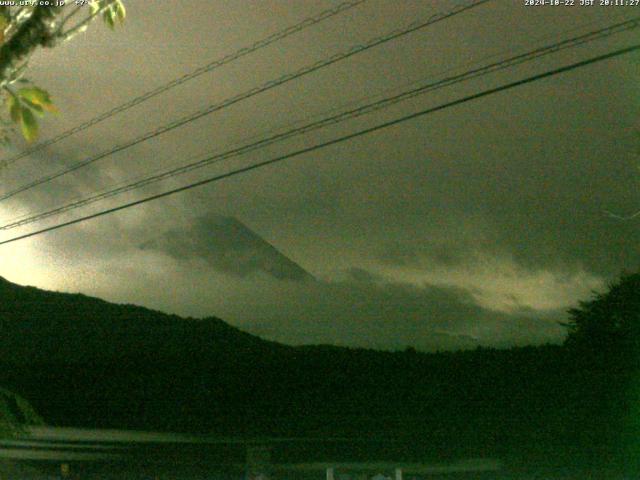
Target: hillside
x: 41, y: 326
x: 82, y: 361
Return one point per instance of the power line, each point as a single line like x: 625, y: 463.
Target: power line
x: 334, y: 141
x: 307, y: 22
x: 413, y: 27
x: 334, y: 119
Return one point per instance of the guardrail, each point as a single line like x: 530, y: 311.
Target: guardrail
x: 68, y: 448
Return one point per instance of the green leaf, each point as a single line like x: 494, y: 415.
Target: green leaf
x: 109, y: 17
x: 114, y: 13
x: 15, y: 109
x: 37, y: 96
x: 35, y: 107
x: 121, y: 12
x: 29, y: 125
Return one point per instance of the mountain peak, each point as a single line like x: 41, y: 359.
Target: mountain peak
x: 229, y: 246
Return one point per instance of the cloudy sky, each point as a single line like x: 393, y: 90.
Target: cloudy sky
x: 476, y: 225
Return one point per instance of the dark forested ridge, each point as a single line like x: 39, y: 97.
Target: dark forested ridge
x: 86, y: 362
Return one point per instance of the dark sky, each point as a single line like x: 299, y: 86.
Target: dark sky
x: 479, y: 224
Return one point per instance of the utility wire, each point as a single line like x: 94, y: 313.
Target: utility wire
x: 622, y: 217
x: 334, y: 141
x: 413, y: 27
x: 334, y: 119
x: 307, y: 22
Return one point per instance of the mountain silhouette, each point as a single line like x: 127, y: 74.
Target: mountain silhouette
x: 42, y: 326
x: 228, y: 246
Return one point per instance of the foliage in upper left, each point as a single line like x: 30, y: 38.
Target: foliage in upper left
x: 24, y: 29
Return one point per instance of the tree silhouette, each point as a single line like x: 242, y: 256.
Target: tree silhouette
x: 610, y: 321
x: 16, y: 413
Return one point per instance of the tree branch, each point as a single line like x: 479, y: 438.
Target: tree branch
x: 81, y: 26
x: 33, y: 33
x: 64, y: 21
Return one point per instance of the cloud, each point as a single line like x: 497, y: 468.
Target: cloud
x: 426, y: 253
x: 360, y: 308
x: 368, y: 310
